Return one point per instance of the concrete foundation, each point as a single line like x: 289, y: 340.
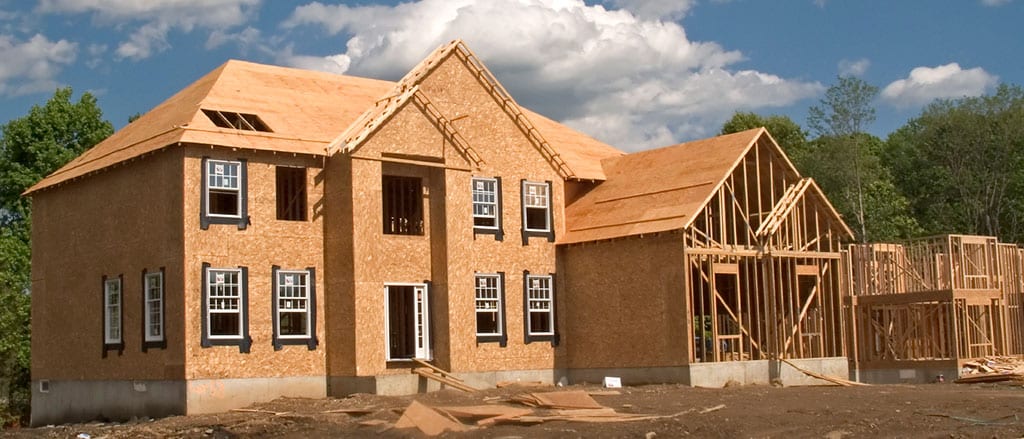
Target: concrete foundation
x: 911, y: 373
x: 219, y: 395
x: 407, y: 384
x: 720, y: 374
x: 55, y: 401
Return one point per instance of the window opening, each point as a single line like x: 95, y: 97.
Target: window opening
x: 488, y: 305
x: 223, y: 188
x: 538, y: 294
x: 402, y: 199
x: 293, y: 304
x: 291, y: 193
x: 485, y: 203
x: 536, y: 206
x: 112, y: 311
x: 224, y: 304
x: 154, y: 309
x: 238, y: 121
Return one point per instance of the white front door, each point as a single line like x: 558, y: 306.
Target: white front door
x: 407, y: 321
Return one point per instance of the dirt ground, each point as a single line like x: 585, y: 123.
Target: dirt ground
x: 933, y: 410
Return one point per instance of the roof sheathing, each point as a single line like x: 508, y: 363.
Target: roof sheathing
x: 656, y: 190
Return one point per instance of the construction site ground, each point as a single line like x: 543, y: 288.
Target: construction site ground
x: 948, y: 410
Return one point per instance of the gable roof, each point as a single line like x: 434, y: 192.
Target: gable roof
x: 305, y: 110
x: 662, y: 189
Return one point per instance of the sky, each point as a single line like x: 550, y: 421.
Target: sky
x: 636, y: 74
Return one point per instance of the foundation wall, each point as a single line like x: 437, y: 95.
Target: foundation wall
x: 909, y: 372
x: 114, y: 400
x: 221, y: 395
x: 625, y: 303
x: 265, y: 242
x: 118, y: 222
x: 407, y: 383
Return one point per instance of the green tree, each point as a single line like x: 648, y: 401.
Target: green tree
x: 961, y: 162
x: 839, y: 121
x: 789, y: 135
x: 32, y: 147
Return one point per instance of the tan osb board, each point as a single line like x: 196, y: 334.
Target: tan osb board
x: 338, y: 258
x: 656, y: 190
x: 120, y: 222
x: 626, y: 303
x: 305, y: 110
x: 264, y: 243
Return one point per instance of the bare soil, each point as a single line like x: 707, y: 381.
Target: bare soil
x: 933, y: 410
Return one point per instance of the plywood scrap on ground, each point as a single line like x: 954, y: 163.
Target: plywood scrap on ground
x: 570, y: 399
x: 504, y: 384
x: 427, y: 420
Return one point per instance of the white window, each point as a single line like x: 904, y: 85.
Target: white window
x: 112, y: 311
x: 488, y: 305
x: 153, y: 320
x: 536, y: 206
x: 224, y: 316
x: 293, y: 310
x: 223, y: 189
x: 541, y: 318
x: 486, y: 211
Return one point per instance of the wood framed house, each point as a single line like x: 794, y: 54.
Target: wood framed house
x: 925, y: 307
x: 712, y: 258
x: 271, y: 231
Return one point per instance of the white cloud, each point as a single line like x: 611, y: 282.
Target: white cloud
x: 38, y: 61
x: 926, y: 84
x: 655, y: 9
x: 157, y: 18
x: 245, y: 38
x: 995, y: 2
x: 855, y: 67
x: 632, y: 82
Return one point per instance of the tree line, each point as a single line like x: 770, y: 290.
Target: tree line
x: 957, y: 167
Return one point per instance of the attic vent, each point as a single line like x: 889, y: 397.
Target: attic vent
x: 238, y: 121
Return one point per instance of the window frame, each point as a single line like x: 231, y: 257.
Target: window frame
x: 149, y: 341
x: 529, y: 334
x: 549, y: 220
x: 242, y: 340
x: 310, y: 338
x: 205, y: 217
x: 111, y: 343
x: 500, y: 337
x: 497, y: 228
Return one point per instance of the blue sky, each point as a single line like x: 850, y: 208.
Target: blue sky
x: 634, y: 73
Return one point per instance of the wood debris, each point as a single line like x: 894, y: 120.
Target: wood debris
x: 427, y: 420
x: 504, y: 384
x: 442, y: 376
x: 840, y: 381
x: 569, y: 399
x: 991, y: 369
x: 269, y: 412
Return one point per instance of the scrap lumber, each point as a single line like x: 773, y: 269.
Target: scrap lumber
x: 269, y: 412
x: 990, y: 378
x: 429, y: 374
x: 485, y: 414
x: 351, y: 411
x: 831, y: 379
x: 427, y: 420
x: 570, y: 399
x: 504, y: 384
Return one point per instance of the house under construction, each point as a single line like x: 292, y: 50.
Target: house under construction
x: 925, y: 307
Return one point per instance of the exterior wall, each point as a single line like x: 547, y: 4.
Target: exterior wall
x: 265, y: 242
x: 625, y: 304
x: 448, y: 253
x: 117, y: 222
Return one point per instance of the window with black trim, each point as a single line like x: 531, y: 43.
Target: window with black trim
x: 489, y: 300
x: 487, y: 205
x: 294, y: 307
x: 153, y: 310
x: 113, y: 315
x: 225, y: 307
x: 539, y: 308
x: 537, y: 215
x: 224, y: 193
x: 291, y: 193
x: 402, y: 200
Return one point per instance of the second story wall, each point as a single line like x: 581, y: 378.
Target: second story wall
x: 261, y: 239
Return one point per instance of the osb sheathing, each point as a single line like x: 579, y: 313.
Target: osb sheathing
x: 119, y: 222
x: 447, y: 254
x: 625, y: 302
x: 265, y: 242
